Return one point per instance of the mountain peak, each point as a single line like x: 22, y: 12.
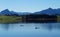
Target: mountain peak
x: 6, y: 10
x: 50, y: 9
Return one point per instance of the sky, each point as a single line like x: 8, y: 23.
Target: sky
x: 28, y: 5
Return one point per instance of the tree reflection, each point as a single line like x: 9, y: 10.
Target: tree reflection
x: 5, y: 26
x: 51, y: 26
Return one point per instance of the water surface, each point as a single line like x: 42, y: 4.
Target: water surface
x: 30, y: 30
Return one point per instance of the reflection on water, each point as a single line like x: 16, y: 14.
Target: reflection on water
x: 48, y: 26
x: 4, y: 26
x: 51, y: 26
x: 30, y: 29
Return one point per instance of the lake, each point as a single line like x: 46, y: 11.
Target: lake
x: 30, y: 30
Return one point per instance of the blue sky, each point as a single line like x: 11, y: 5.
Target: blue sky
x: 28, y: 5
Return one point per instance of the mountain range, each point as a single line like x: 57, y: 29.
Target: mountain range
x: 48, y: 11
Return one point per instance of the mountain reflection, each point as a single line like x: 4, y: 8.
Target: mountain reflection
x: 49, y: 26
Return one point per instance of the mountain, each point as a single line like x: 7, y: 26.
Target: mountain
x: 24, y: 13
x: 7, y: 12
x: 12, y: 13
x: 49, y: 11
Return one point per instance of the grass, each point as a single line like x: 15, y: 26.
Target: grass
x: 10, y: 19
x: 15, y: 19
x: 58, y: 18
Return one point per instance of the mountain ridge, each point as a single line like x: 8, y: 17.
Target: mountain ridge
x: 48, y: 11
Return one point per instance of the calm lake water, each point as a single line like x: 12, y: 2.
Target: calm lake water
x: 30, y: 30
